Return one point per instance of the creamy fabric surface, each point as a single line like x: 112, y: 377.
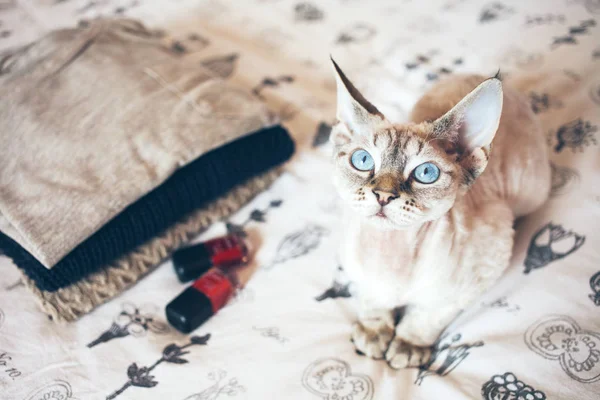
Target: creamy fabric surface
x: 535, y: 335
x: 96, y: 117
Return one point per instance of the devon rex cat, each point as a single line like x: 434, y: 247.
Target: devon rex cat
x: 426, y: 230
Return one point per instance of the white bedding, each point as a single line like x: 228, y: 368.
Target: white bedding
x: 535, y: 335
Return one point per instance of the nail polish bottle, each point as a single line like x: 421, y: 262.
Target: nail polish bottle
x: 204, y: 298
x: 191, y: 262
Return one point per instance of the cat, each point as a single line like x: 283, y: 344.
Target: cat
x: 429, y: 207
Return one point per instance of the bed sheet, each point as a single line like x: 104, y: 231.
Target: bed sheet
x: 534, y: 335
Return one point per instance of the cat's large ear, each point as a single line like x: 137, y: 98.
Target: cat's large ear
x: 473, y: 122
x: 356, y: 113
x: 471, y: 125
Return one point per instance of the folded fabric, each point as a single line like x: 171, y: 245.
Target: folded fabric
x: 70, y: 303
x: 188, y: 189
x: 93, y: 119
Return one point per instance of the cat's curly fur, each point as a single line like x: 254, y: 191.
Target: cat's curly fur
x: 432, y: 249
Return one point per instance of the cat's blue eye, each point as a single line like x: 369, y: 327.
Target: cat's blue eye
x: 362, y: 160
x: 426, y: 173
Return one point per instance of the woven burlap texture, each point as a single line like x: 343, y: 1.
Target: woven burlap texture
x: 70, y: 303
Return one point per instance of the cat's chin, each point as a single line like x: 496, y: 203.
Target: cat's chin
x: 386, y: 224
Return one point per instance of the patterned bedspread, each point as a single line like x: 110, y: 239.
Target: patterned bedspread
x: 535, y: 335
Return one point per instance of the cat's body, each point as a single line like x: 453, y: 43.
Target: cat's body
x: 432, y: 249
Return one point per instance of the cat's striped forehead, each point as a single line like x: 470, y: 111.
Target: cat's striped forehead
x: 400, y: 142
x: 402, y: 135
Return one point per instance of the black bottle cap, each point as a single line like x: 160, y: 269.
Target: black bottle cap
x: 191, y: 262
x: 189, y: 310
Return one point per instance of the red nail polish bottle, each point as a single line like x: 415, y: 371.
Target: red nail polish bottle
x: 207, y: 295
x: 191, y: 262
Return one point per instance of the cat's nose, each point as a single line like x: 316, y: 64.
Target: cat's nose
x: 384, y: 198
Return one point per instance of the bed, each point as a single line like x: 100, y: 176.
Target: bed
x: 535, y: 335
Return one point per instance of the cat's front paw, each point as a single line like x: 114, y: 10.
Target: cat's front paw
x: 401, y: 354
x: 372, y: 337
